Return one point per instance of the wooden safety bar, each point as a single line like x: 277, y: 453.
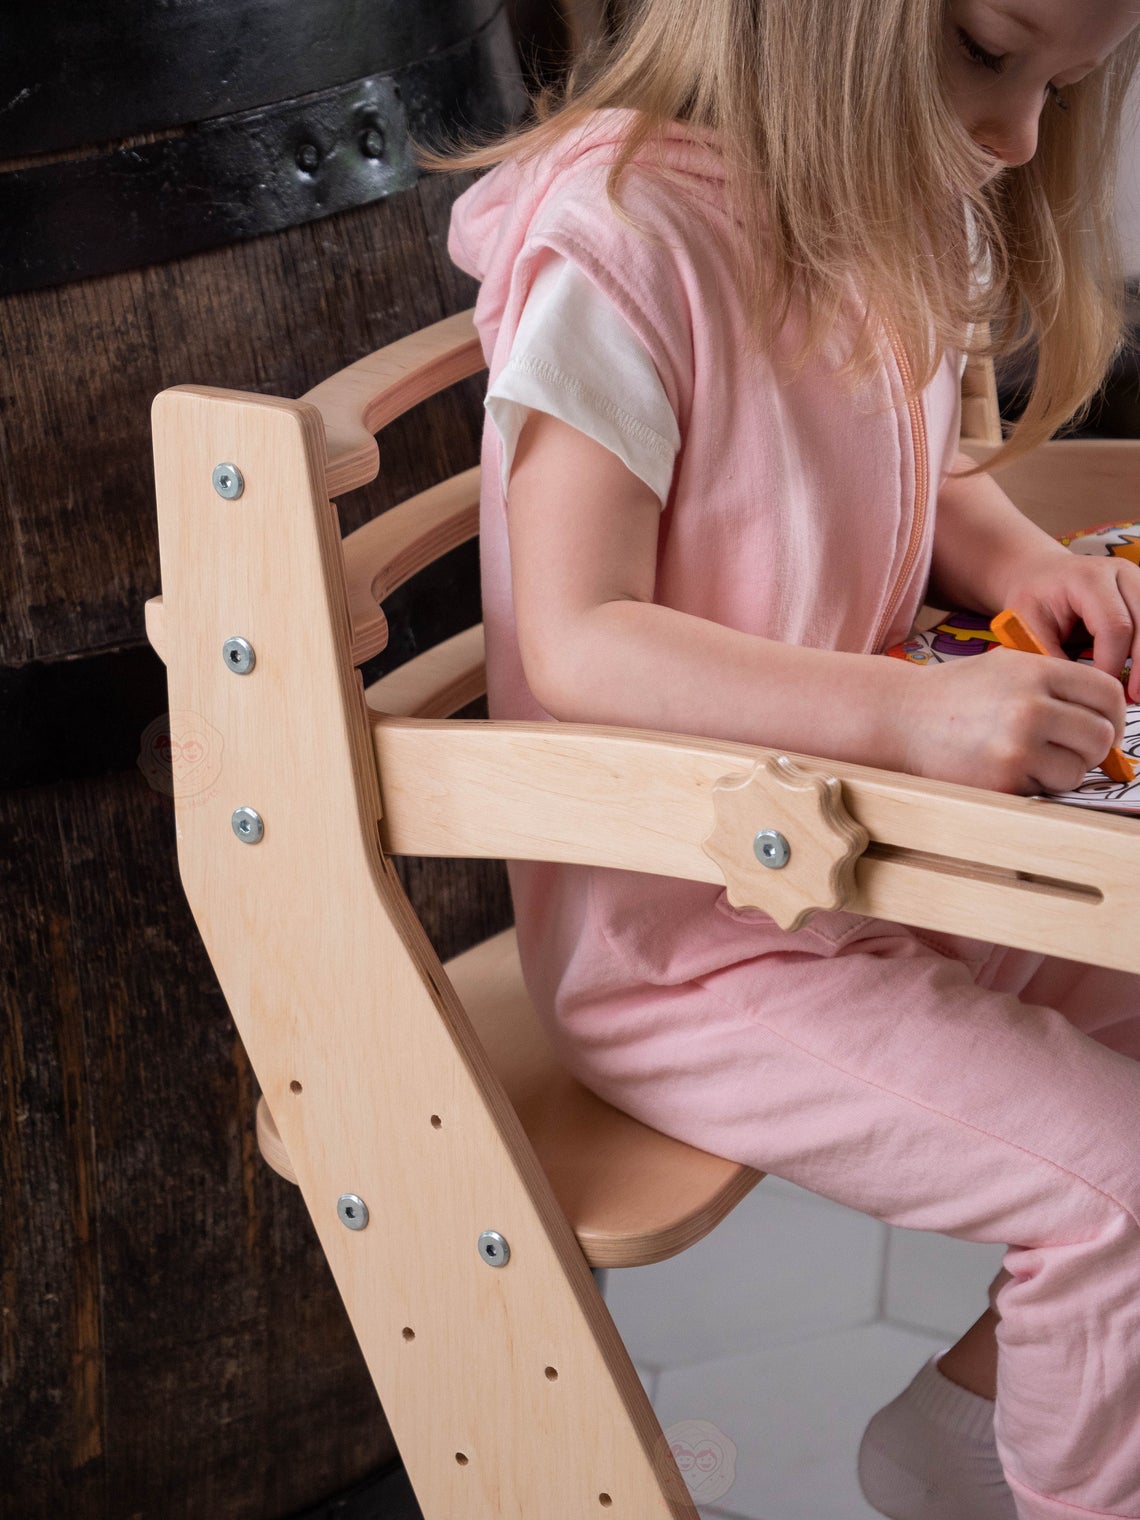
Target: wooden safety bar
x: 1036, y: 874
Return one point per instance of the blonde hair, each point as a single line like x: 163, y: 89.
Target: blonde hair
x: 837, y: 111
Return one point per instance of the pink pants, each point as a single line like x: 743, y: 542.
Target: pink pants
x: 937, y: 1084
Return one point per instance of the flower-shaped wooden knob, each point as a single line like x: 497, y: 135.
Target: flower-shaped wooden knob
x: 784, y: 840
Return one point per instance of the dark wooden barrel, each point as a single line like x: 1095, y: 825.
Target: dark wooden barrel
x: 219, y: 191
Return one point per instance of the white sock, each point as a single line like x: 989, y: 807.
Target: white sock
x: 930, y: 1454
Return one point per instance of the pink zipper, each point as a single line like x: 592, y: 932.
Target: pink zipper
x: 921, y: 486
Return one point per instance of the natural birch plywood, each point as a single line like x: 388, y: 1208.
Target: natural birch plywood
x: 632, y: 1195
x: 356, y: 402
x: 1023, y: 872
x: 509, y: 1392
x: 1072, y: 483
x: 438, y: 682
x: 810, y: 837
x: 981, y: 415
x: 388, y: 550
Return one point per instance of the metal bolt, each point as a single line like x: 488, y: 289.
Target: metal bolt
x: 228, y: 481
x: 352, y: 1211
x: 247, y: 825
x: 372, y: 143
x: 494, y: 1249
x: 771, y: 849
x: 308, y: 157
x: 239, y: 656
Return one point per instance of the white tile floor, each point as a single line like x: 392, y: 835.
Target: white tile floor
x: 781, y: 1334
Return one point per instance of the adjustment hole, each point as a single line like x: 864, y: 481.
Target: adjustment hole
x: 295, y: 1086
x: 605, y: 1501
x: 552, y: 1373
x: 408, y: 1333
x: 461, y: 1458
x: 436, y: 1121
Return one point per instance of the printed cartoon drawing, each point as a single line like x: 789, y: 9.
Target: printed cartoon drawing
x: 958, y: 634
x: 963, y: 633
x: 1120, y: 539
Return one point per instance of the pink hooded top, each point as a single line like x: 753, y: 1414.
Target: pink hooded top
x: 799, y: 510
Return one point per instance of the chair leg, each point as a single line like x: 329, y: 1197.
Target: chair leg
x: 600, y: 1278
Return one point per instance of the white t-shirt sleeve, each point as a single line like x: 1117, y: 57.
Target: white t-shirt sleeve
x: 575, y: 357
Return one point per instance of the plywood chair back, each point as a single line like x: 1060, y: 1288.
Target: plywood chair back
x: 981, y: 415
x: 460, y: 1182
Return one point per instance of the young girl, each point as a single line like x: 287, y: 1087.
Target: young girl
x: 726, y: 289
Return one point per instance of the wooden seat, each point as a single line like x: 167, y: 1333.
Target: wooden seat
x: 460, y: 1181
x: 632, y: 1195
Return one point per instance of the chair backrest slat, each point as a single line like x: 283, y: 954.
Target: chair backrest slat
x: 364, y: 397
x: 388, y: 550
x: 434, y: 684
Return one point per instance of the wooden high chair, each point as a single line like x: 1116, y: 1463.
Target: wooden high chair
x: 461, y: 1184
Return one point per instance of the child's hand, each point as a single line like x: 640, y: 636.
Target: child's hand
x: 1056, y: 590
x: 1012, y: 722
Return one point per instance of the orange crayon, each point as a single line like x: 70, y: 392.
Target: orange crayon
x: 1011, y: 630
